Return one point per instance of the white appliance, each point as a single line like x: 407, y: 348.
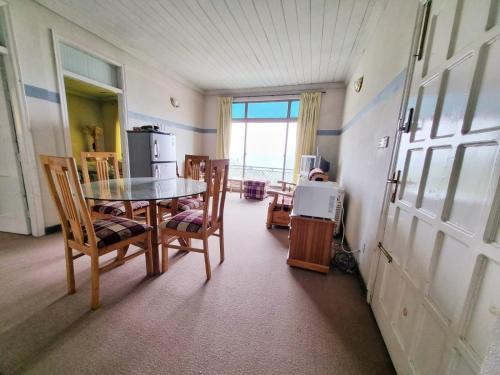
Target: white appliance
x: 322, y: 199
x: 152, y: 154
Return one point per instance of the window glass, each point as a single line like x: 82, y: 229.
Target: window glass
x: 236, y: 150
x: 268, y: 110
x: 294, y: 109
x: 290, y: 151
x: 265, y: 146
x: 238, y: 110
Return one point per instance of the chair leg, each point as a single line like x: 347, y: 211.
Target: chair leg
x: 70, y: 270
x: 94, y: 267
x: 221, y: 242
x: 164, y: 257
x: 149, y: 256
x: 207, y: 259
x: 160, y: 215
x: 121, y: 253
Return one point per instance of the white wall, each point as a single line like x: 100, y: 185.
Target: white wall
x: 330, y: 121
x: 147, y: 90
x: 368, y: 116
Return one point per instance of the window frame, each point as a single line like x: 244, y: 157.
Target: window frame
x: 288, y: 119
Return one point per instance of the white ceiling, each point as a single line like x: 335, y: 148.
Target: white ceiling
x: 234, y: 44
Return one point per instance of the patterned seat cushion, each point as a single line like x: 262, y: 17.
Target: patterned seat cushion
x: 187, y: 221
x: 115, y: 229
x: 285, y: 202
x: 116, y: 208
x: 183, y: 204
x: 254, y: 189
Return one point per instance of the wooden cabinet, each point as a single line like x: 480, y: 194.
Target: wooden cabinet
x: 310, y: 243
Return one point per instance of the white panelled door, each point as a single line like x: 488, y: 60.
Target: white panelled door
x: 437, y: 301
x: 13, y: 207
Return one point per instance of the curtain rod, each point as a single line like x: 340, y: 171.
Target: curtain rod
x: 264, y: 95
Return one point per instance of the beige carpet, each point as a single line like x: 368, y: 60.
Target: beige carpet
x: 256, y: 316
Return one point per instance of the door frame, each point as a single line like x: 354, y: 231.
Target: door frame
x: 120, y: 92
x: 22, y: 125
x: 382, y: 222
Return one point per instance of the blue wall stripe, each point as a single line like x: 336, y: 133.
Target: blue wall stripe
x: 163, y: 122
x: 39, y: 93
x: 386, y: 93
x: 329, y: 132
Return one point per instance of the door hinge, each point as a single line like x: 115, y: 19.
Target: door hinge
x: 394, y: 180
x: 385, y: 252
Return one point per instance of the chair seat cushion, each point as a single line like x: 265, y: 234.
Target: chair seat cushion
x: 284, y: 202
x: 117, y: 208
x: 115, y: 229
x: 183, y: 204
x: 187, y: 221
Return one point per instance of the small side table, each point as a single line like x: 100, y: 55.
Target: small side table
x: 233, y: 183
x: 310, y: 243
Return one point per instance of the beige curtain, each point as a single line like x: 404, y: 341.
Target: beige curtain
x: 224, y: 117
x: 307, y: 125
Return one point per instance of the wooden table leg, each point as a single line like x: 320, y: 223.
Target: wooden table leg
x: 153, y: 221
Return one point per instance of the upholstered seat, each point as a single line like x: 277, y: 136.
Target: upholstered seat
x: 115, y: 229
x: 284, y: 203
x: 187, y: 221
x: 183, y: 204
x: 116, y: 208
x: 254, y: 189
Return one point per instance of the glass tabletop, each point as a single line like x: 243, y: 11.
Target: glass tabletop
x: 142, y: 189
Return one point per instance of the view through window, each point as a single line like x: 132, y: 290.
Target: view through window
x: 263, y: 137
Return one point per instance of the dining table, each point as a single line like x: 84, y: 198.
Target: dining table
x: 149, y: 189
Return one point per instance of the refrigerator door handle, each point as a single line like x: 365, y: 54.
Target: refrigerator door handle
x: 156, y: 150
x: 157, y: 171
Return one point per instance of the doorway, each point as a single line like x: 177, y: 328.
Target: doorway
x: 93, y: 104
x: 93, y: 119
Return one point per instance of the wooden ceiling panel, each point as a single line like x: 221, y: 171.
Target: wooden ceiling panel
x: 234, y: 44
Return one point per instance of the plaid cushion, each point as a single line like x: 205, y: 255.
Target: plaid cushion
x: 285, y: 202
x: 254, y: 189
x: 115, y: 229
x: 187, y: 221
x: 116, y: 208
x: 183, y: 204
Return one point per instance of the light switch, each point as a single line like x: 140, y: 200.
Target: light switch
x: 383, y: 142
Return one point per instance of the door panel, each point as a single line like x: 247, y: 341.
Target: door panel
x: 13, y: 206
x: 436, y: 303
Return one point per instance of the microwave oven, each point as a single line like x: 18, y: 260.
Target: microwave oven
x: 323, y: 199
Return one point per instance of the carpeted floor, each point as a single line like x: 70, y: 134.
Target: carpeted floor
x: 256, y: 316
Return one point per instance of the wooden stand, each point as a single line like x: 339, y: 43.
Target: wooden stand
x: 310, y: 243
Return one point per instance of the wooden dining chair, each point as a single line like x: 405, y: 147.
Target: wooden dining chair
x: 200, y: 224
x: 106, y: 162
x: 194, y: 168
x: 86, y: 236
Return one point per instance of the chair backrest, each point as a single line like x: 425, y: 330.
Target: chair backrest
x: 216, y: 175
x: 103, y: 162
x: 195, y: 166
x: 67, y: 193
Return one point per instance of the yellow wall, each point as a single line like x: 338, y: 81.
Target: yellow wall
x: 83, y: 111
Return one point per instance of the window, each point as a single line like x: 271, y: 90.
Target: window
x: 263, y: 140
